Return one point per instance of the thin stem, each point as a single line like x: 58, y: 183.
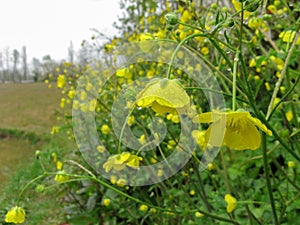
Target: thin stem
x: 282, y: 74
x: 177, y: 49
x: 267, y: 177
x: 236, y: 60
x: 28, y: 184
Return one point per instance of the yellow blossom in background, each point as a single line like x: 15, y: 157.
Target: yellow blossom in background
x: 59, y: 165
x: 289, y: 115
x: 105, y: 129
x: 143, y: 208
x: 130, y: 120
x: 236, y: 130
x: 100, y: 148
x: 164, y: 96
x: 272, y: 9
x: 291, y: 164
x: 238, y: 7
x: 106, y: 202
x: 288, y: 36
x: 121, y: 182
x: 142, y: 139
x: 231, y: 203
x: 199, y: 137
x: 15, y: 215
x: 205, y: 50
x: 210, y: 166
x: 276, y: 100
x: 160, y: 173
x: 198, y: 214
x: 119, y: 161
x: 267, y: 85
x: 146, y: 42
x: 279, y: 62
x: 61, y: 81
x: 61, y: 176
x: 54, y: 130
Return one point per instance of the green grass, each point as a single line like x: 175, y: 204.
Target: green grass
x: 28, y: 107
x: 28, y: 111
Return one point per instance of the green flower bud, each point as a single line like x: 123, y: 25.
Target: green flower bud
x: 40, y: 188
x: 37, y: 154
x: 171, y: 18
x: 251, y: 5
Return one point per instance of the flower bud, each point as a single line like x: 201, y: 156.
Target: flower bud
x: 37, y: 154
x: 171, y: 18
x: 251, y: 5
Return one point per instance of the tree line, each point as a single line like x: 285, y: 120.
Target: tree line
x: 15, y: 67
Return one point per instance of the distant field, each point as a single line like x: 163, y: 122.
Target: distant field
x: 28, y: 107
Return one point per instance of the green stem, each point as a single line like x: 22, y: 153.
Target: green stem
x: 282, y: 74
x: 28, y: 184
x: 177, y: 49
x: 267, y: 177
x: 236, y: 60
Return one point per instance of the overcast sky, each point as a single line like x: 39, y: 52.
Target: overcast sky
x: 48, y: 26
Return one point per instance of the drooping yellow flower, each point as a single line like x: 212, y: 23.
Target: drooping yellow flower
x: 15, y: 215
x: 237, y: 130
x: 231, y: 203
x: 119, y: 161
x: 164, y: 96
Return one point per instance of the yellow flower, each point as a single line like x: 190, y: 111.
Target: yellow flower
x: 238, y: 129
x: 199, y: 137
x: 105, y: 129
x: 61, y: 81
x: 119, y: 161
x: 144, y: 208
x: 106, y: 202
x: 289, y: 115
x: 205, y: 50
x: 198, y: 214
x: 59, y: 165
x: 164, y: 96
x: 145, y: 42
x: 15, y: 215
x: 231, y: 203
x: 288, y: 36
x: 238, y: 6
x: 291, y: 164
x: 61, y: 176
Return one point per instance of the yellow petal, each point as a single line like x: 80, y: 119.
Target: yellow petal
x: 241, y: 139
x: 216, y: 133
x: 260, y: 125
x: 165, y: 92
x: 231, y: 203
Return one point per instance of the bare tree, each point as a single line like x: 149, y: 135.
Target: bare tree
x: 7, y: 60
x: 1, y: 68
x: 24, y: 63
x: 16, y: 57
x: 71, y: 53
x: 36, y: 70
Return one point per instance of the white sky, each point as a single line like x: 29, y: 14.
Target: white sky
x: 48, y: 26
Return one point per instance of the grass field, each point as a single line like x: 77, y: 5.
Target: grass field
x: 28, y: 108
